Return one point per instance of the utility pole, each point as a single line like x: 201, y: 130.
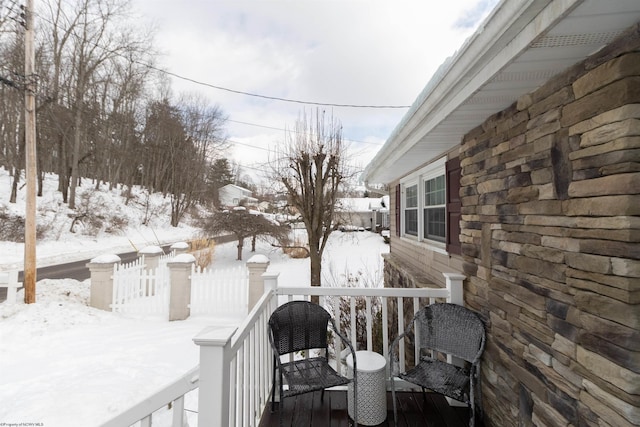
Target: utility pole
x: 31, y: 165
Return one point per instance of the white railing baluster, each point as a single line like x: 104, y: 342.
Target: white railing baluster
x: 178, y: 412
x: 236, y: 378
x: 400, y: 332
x: 385, y: 331
x: 354, y: 323
x: 369, y: 318
x: 416, y: 331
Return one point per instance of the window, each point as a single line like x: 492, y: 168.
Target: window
x: 430, y: 205
x: 434, y: 223
x: 411, y: 210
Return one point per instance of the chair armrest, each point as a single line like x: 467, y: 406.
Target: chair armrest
x: 344, y: 340
x: 394, y: 357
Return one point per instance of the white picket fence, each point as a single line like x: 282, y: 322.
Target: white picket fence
x: 140, y: 291
x: 165, y: 258
x: 220, y: 292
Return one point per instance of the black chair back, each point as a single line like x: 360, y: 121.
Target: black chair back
x: 299, y: 325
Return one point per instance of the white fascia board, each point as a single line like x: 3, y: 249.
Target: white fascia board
x: 507, y: 32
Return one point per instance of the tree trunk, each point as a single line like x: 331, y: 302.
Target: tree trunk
x: 75, y: 158
x: 315, y: 260
x: 14, y: 185
x: 240, y: 245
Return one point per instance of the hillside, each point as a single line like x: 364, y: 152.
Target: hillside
x: 104, y: 221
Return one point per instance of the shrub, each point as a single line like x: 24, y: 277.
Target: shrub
x: 11, y: 227
x: 96, y: 213
x: 203, y: 250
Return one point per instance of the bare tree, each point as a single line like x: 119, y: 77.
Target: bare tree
x: 86, y: 37
x: 242, y: 224
x: 313, y: 171
x: 204, y: 129
x: 12, y: 109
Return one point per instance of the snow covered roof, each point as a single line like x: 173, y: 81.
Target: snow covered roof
x: 361, y: 204
x: 520, y: 46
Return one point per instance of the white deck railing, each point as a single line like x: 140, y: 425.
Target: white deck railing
x: 234, y: 376
x: 233, y: 393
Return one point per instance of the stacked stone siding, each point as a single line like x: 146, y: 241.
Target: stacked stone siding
x: 551, y: 245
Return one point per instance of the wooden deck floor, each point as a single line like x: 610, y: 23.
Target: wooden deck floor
x: 308, y: 410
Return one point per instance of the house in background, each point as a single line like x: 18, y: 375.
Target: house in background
x: 354, y: 213
x: 232, y: 195
x: 519, y: 167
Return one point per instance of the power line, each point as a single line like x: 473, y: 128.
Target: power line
x: 273, y: 98
x: 239, y: 92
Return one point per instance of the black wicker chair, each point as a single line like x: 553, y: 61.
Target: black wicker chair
x: 444, y: 329
x: 301, y: 326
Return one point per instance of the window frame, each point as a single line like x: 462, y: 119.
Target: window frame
x: 419, y: 178
x: 427, y: 207
x: 406, y: 209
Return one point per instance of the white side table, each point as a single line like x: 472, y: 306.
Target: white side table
x: 372, y: 387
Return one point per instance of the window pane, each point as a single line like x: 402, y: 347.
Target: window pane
x: 411, y: 197
x: 434, y: 191
x: 411, y: 222
x: 435, y: 224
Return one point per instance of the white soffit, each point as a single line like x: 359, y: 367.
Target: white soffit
x: 574, y: 30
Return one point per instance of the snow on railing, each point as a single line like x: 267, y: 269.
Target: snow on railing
x: 222, y: 292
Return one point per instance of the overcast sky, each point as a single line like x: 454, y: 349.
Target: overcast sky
x: 356, y: 52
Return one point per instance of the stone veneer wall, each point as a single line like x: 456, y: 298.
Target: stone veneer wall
x: 551, y: 245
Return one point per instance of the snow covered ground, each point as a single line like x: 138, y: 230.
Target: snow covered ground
x: 63, y: 363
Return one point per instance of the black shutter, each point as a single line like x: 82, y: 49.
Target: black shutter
x: 454, y: 205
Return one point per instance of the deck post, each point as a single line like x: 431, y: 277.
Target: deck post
x: 215, y: 376
x: 456, y: 296
x: 454, y: 285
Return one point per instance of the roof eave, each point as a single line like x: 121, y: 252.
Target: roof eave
x: 505, y: 34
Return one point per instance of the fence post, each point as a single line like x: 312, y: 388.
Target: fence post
x: 257, y: 266
x: 151, y: 256
x: 180, y: 286
x: 454, y: 285
x: 9, y: 280
x: 179, y: 248
x: 215, y: 376
x: 101, y: 291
